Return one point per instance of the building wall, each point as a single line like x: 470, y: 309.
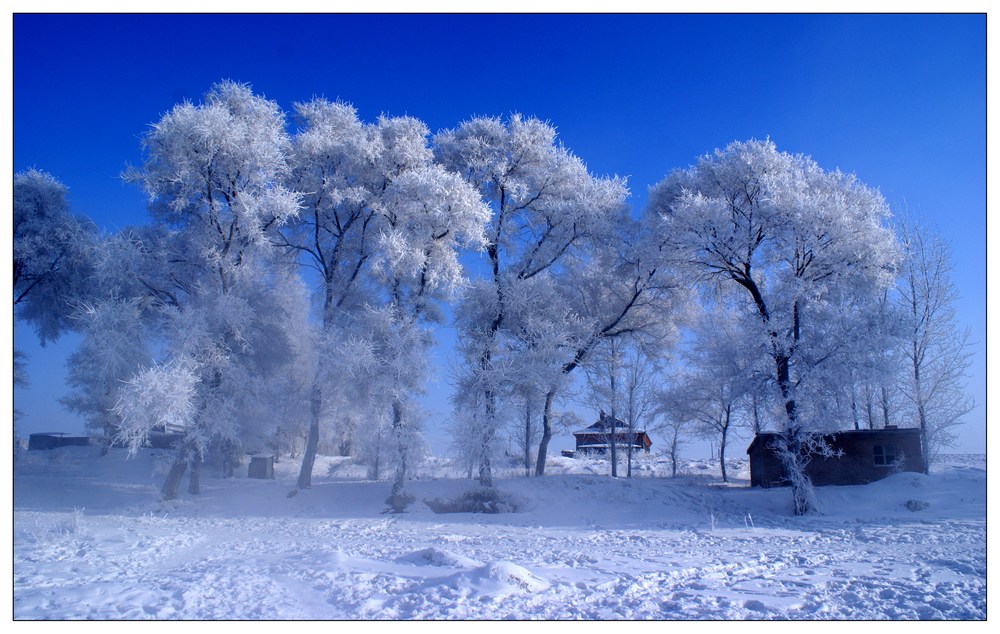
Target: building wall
x: 860, y: 462
x: 52, y: 441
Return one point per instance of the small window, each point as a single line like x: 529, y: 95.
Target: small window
x: 885, y: 455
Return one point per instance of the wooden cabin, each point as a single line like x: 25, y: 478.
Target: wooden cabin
x: 596, y: 439
x: 864, y: 456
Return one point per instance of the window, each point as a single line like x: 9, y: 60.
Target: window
x: 885, y: 455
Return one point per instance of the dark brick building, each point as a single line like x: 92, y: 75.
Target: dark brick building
x: 865, y: 456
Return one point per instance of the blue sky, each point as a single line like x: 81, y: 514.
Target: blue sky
x: 899, y: 100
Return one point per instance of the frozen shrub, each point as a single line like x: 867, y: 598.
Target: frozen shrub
x: 480, y: 500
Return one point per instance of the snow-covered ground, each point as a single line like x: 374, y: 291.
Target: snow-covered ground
x: 92, y: 541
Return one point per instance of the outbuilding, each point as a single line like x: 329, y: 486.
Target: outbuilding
x: 596, y: 439
x: 52, y: 440
x: 861, y: 456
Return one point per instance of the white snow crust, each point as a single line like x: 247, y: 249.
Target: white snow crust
x: 92, y: 541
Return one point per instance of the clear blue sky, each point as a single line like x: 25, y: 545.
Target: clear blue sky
x: 898, y: 100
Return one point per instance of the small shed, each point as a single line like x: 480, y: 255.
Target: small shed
x: 864, y: 456
x: 52, y: 440
x: 596, y: 439
x: 261, y: 467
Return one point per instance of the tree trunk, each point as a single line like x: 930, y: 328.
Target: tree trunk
x: 312, y: 440
x: 885, y: 407
x: 194, y: 483
x: 673, y: 456
x: 401, y: 468
x: 722, y: 442
x: 527, y: 436
x: 487, y: 433
x: 228, y: 459
x: 756, y: 415
x: 631, y: 433
x: 614, y: 444
x: 399, y: 499
x: 868, y: 407
x: 486, y: 442
x: 486, y: 363
x: 486, y: 471
x: 921, y: 411
x: 854, y: 408
x: 614, y: 416
x: 802, y: 491
x: 543, y: 445
x: 173, y: 482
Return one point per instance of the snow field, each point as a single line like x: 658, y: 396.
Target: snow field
x: 91, y: 541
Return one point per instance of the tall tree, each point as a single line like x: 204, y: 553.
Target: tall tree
x: 937, y: 350
x: 795, y: 241
x: 335, y: 163
x: 381, y: 226
x: 673, y: 420
x: 622, y: 379
x: 719, y: 381
x: 429, y: 214
x: 214, y: 173
x: 545, y: 206
x: 625, y: 288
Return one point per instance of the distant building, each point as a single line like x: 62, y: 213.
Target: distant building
x: 51, y: 440
x: 865, y: 456
x: 596, y: 439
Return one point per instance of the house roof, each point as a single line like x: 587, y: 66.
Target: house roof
x: 604, y: 426
x: 607, y: 430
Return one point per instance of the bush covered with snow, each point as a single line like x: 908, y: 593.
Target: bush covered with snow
x: 479, y: 500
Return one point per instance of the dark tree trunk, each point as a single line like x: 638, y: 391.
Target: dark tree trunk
x: 543, y: 445
x: 312, y: 440
x: 172, y: 485
x: 194, y: 484
x: 228, y: 459
x: 722, y: 441
x: 527, y: 436
x: 631, y: 439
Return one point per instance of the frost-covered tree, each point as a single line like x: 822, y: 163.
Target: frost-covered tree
x: 794, y: 241
x: 546, y: 207
x: 114, y: 347
x: 335, y: 164
x: 381, y: 226
x: 52, y: 250
x: 428, y: 215
x: 215, y: 174
x: 625, y: 288
x: 719, y: 378
x: 857, y: 386
x: 622, y: 380
x: 527, y: 432
x: 640, y: 388
x: 936, y: 350
x: 672, y: 422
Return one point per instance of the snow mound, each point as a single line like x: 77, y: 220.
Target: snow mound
x: 499, y: 578
x: 438, y: 557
